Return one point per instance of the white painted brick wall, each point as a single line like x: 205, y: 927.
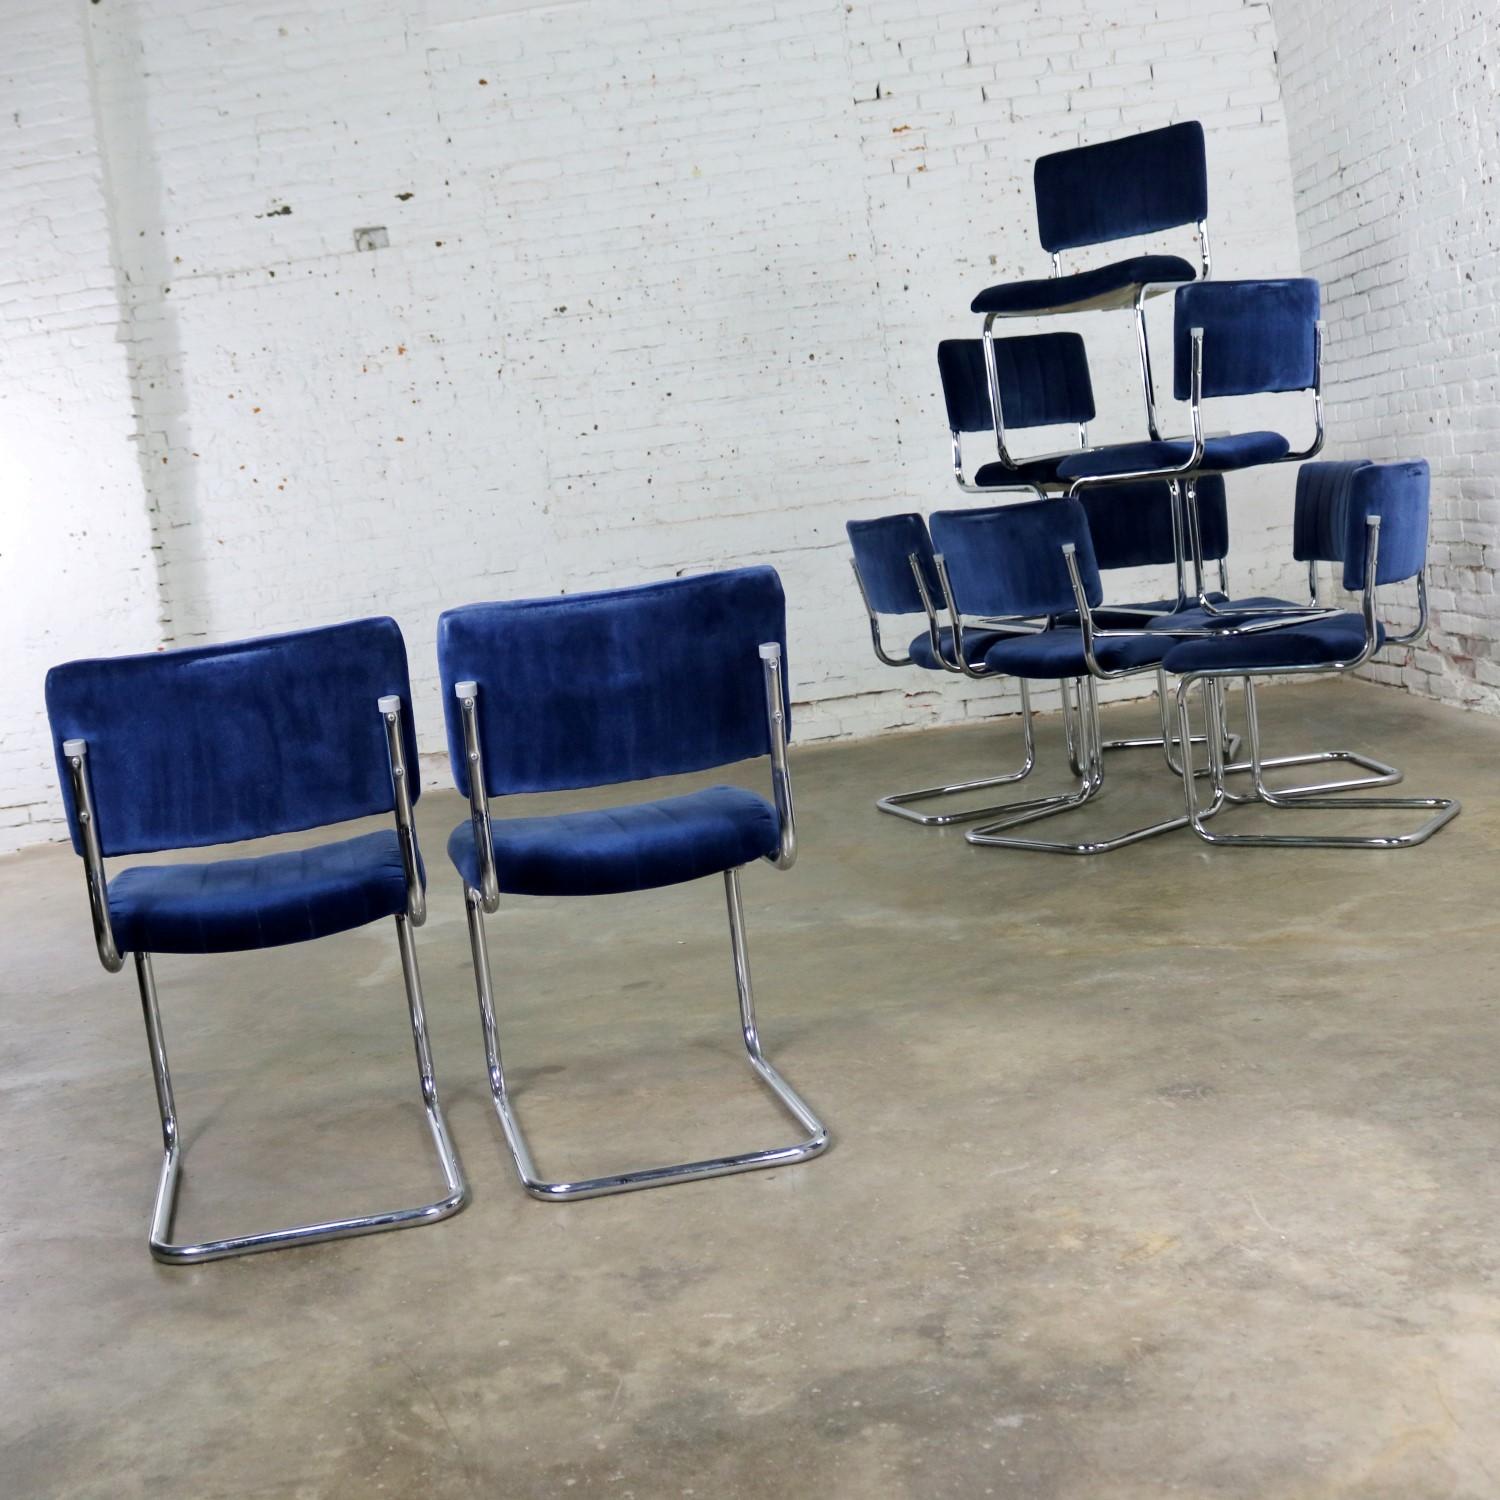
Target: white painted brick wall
x: 663, y: 289
x: 76, y: 571
x: 1395, y: 124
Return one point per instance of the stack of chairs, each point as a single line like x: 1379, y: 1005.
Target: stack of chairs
x: 1015, y: 589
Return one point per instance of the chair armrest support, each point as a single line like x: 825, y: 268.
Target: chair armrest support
x: 958, y: 458
x: 406, y: 833
x: 951, y: 605
x: 1316, y: 446
x: 785, y: 855
x: 992, y: 380
x: 1367, y: 598
x: 75, y: 752
x: 1414, y: 635
x: 1191, y: 462
x: 1086, y: 622
x: 479, y: 802
x: 934, y: 630
x: 881, y: 654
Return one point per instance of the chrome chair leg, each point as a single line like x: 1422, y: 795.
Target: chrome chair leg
x: 1165, y: 740
x: 1444, y: 809
x: 997, y: 836
x: 164, y: 1249
x: 898, y: 803
x: 1072, y: 734
x: 1380, y: 773
x: 1079, y: 762
x: 813, y: 1144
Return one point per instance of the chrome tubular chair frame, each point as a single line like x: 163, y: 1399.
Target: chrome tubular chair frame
x: 1085, y: 751
x: 1137, y: 306
x: 816, y: 1138
x: 1443, y: 809
x: 177, y: 1253
x: 903, y: 804
x: 956, y: 442
x: 883, y: 656
x: 1142, y: 334
x: 1270, y: 617
x: 1380, y: 775
x: 1228, y: 743
x: 992, y: 382
x: 1091, y: 783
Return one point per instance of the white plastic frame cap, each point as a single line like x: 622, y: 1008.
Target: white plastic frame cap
x: 390, y: 704
x: 770, y: 651
x: 465, y: 689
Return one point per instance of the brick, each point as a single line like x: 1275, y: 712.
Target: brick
x: 664, y: 295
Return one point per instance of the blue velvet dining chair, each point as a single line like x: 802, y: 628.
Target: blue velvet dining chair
x: 552, y: 695
x: 1380, y: 512
x: 181, y: 749
x: 896, y: 575
x: 1036, y: 380
x: 1318, y: 536
x: 1020, y: 561
x: 1138, y: 526
x: 1102, y: 193
x: 1231, y: 338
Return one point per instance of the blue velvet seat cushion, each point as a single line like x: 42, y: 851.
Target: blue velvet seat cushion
x: 1245, y: 611
x: 1239, y: 450
x: 1334, y: 639
x: 633, y: 848
x: 229, y: 905
x: 1114, y: 285
x: 997, y: 475
x: 1058, y: 652
x: 976, y: 644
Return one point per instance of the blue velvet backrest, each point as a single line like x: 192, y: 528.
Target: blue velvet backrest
x: 1110, y: 191
x: 882, y: 553
x: 236, y: 741
x: 1008, y: 561
x: 1320, y: 522
x: 1257, y: 336
x: 1398, y: 494
x: 590, y: 689
x: 1044, y: 382
x: 1131, y: 524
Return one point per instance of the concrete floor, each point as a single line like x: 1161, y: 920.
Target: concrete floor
x: 1168, y: 1173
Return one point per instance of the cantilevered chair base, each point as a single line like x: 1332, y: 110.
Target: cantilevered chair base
x: 164, y: 1249
x: 1085, y: 752
x: 1380, y: 774
x: 812, y: 1144
x: 903, y: 804
x: 1163, y: 741
x: 1316, y: 796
